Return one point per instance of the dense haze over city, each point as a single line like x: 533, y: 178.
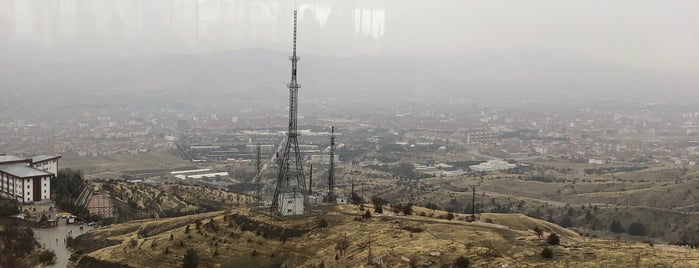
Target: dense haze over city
x: 425, y: 133
x: 481, y: 51
x: 653, y: 34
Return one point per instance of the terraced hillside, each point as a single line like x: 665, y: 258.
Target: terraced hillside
x: 138, y: 201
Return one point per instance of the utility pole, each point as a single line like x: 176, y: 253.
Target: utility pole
x: 310, y: 180
x: 362, y: 192
x: 258, y: 164
x: 352, y: 189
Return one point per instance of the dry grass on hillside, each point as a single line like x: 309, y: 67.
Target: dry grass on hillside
x: 241, y: 238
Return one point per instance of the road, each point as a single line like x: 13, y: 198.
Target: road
x: 474, y: 152
x: 54, y: 239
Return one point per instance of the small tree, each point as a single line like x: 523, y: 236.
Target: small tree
x: 615, y: 227
x: 408, y: 209
x: 190, y: 260
x: 461, y: 262
x: 553, y: 239
x: 450, y: 216
x: 566, y: 222
x: 637, y: 228
x: 186, y: 229
x: 538, y: 232
x: 342, y: 245
x: 356, y: 199
x: 378, y: 203
x: 547, y: 253
x: 47, y: 257
x: 322, y: 223
x: 43, y: 219
x: 367, y: 214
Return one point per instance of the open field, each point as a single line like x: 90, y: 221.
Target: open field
x: 108, y: 167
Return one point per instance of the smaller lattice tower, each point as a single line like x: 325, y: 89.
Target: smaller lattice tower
x: 258, y: 164
x: 310, y: 179
x: 331, y: 170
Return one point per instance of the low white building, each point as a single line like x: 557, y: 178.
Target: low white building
x: 492, y: 165
x: 596, y: 161
x: 315, y: 199
x: 27, y: 180
x: 342, y: 200
x: 291, y: 203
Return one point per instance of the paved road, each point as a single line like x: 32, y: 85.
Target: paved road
x: 54, y: 239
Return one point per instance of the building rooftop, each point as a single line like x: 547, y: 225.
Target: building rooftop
x: 42, y: 158
x: 22, y: 171
x: 10, y: 158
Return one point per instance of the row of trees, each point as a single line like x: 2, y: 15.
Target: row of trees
x: 635, y: 228
x: 66, y: 188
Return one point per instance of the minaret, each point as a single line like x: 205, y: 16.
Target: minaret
x: 290, y: 178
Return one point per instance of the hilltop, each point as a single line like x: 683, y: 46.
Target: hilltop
x: 241, y: 237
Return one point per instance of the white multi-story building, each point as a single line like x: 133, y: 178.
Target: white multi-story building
x: 27, y: 180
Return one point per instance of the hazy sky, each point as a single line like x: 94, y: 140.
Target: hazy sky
x: 657, y: 34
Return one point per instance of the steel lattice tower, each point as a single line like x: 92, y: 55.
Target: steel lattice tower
x: 331, y: 170
x: 290, y: 178
x: 258, y: 164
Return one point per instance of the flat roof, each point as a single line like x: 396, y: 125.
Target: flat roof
x: 22, y: 171
x: 42, y: 158
x: 10, y: 158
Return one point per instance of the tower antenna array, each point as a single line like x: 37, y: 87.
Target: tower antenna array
x: 290, y: 178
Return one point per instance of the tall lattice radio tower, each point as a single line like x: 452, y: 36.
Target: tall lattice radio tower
x: 290, y: 196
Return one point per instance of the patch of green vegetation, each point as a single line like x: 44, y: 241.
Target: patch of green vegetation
x: 401, y: 171
x: 66, y: 188
x: 604, y: 170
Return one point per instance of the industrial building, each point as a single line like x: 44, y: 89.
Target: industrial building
x: 27, y: 180
x: 492, y: 165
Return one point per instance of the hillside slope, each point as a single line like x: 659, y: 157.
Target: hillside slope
x: 243, y: 238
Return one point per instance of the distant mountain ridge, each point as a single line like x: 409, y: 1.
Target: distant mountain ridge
x: 260, y: 72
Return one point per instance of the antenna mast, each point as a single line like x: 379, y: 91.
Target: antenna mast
x: 290, y: 178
